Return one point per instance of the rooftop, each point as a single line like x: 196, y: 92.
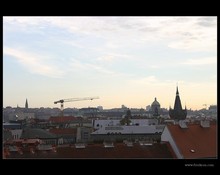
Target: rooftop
x: 195, y: 141
x: 148, y: 129
x: 119, y: 150
x: 62, y: 119
x: 31, y: 133
x: 63, y: 131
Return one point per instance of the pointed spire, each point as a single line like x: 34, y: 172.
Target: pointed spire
x: 26, y: 104
x: 177, y: 92
x: 155, y: 99
x: 178, y: 112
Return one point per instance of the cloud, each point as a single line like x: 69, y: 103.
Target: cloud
x: 150, y: 79
x: 207, y: 21
x: 76, y: 65
x: 153, y: 82
x: 201, y: 61
x: 145, y: 80
x: 70, y: 42
x: 190, y: 36
x: 100, y: 69
x: 110, y: 57
x: 34, y: 63
x: 154, y: 66
x: 106, y: 58
x: 37, y: 64
x: 188, y: 33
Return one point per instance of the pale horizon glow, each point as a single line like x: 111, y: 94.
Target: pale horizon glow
x: 122, y: 60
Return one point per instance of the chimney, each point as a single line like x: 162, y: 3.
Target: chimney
x: 205, y: 123
x: 182, y: 124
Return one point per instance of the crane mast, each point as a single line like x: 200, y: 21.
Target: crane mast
x: 72, y: 99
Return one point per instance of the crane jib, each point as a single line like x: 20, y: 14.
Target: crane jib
x: 75, y: 99
x: 72, y: 99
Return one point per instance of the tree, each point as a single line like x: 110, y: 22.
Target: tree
x: 126, y: 120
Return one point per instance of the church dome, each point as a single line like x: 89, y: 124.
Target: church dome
x: 155, y: 103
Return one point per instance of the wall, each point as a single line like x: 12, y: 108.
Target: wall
x: 166, y: 136
x: 121, y: 137
x: 16, y: 133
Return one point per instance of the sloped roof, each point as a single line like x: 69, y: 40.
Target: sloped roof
x: 7, y: 135
x: 119, y: 150
x: 195, y: 141
x: 62, y: 119
x: 24, y: 141
x: 63, y: 131
x: 147, y: 129
x: 31, y: 133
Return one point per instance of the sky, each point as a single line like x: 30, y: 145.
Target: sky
x: 122, y: 60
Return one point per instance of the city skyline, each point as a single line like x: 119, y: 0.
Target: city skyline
x: 122, y: 60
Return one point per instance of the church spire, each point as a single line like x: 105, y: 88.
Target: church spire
x: 26, y: 104
x: 177, y: 104
x: 178, y: 112
x: 177, y: 92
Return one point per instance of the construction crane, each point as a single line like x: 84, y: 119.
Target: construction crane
x: 72, y: 99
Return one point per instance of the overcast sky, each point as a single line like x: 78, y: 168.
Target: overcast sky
x: 123, y: 60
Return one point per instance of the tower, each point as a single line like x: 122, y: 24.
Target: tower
x: 177, y: 113
x: 155, y: 108
x: 26, y: 104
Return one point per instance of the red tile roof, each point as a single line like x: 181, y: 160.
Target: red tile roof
x: 195, y: 141
x: 119, y: 150
x: 23, y: 141
x: 62, y: 119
